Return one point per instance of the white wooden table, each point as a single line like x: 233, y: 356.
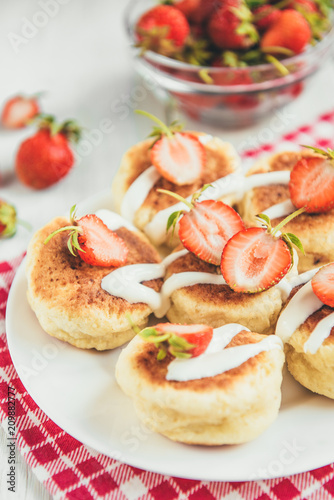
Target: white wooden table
x: 80, y: 58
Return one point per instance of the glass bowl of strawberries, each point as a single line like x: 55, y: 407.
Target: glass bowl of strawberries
x: 229, y: 62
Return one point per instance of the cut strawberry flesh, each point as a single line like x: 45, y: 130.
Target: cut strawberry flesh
x: 253, y: 260
x: 323, y: 284
x: 199, y: 335
x: 179, y: 159
x: 206, y: 229
x: 312, y: 184
x: 18, y: 111
x: 99, y: 245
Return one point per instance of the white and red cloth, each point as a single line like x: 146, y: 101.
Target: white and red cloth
x: 72, y: 471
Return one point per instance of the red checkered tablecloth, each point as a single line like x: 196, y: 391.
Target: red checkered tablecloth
x: 72, y: 471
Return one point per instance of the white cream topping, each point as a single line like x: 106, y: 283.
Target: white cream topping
x: 280, y: 209
x: 138, y: 192
x: 232, y: 183
x: 126, y: 283
x: 319, y: 334
x: 216, y: 359
x: 142, y: 185
x: 301, y: 306
x: 114, y: 221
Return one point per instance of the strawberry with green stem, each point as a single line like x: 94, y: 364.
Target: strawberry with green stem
x: 178, y: 156
x: 323, y: 284
x: 181, y: 341
x: 311, y: 182
x: 46, y: 157
x: 257, y: 258
x: 206, y: 227
x: 163, y: 29
x: 93, y: 241
x: 9, y: 220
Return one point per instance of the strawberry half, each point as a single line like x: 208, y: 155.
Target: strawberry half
x: 207, y: 227
x: 18, y: 111
x: 178, y: 156
x: 93, y: 241
x: 182, y: 341
x: 323, y: 284
x: 8, y: 220
x: 312, y: 182
x: 255, y: 259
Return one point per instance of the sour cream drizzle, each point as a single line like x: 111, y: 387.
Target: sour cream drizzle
x: 216, y: 359
x: 301, y: 306
x: 230, y: 184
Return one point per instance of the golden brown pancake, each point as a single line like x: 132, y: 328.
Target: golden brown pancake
x: 66, y: 295
x: 316, y: 231
x: 221, y: 160
x: 217, y: 305
x: 229, y: 408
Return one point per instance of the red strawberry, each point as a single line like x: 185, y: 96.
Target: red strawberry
x: 94, y: 242
x: 8, y: 220
x: 182, y: 341
x: 312, y: 182
x: 206, y: 228
x: 265, y: 16
x: 18, y: 111
x: 205, y: 9
x: 163, y: 28
x: 178, y: 156
x: 230, y: 26
x: 256, y: 259
x: 323, y: 284
x: 290, y: 31
x: 46, y: 157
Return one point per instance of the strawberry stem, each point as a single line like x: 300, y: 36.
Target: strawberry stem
x: 65, y: 228
x: 329, y: 153
x: 286, y: 220
x: 283, y: 70
x: 161, y: 124
x: 177, y: 197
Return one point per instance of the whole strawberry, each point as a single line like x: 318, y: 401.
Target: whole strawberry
x: 45, y: 158
x: 18, y: 111
x: 290, y: 31
x: 8, y: 220
x: 230, y: 26
x: 163, y: 29
x: 265, y: 16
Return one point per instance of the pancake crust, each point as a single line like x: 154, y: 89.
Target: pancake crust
x: 313, y: 371
x: 316, y: 231
x: 66, y: 295
x: 221, y: 160
x: 217, y: 305
x: 232, y: 407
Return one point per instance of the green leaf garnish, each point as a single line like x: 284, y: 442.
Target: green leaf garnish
x: 167, y: 342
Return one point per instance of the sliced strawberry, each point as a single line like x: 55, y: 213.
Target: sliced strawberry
x: 323, y: 284
x: 99, y: 246
x: 253, y: 260
x: 179, y: 159
x: 206, y: 228
x: 312, y: 184
x: 93, y: 241
x: 182, y: 341
x: 18, y: 111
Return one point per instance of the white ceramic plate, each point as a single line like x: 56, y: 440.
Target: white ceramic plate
x: 77, y: 389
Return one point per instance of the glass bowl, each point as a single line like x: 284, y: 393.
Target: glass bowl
x: 239, y: 96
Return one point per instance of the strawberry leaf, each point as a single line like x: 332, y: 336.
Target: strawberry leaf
x: 264, y: 218
x: 294, y: 241
x: 172, y: 220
